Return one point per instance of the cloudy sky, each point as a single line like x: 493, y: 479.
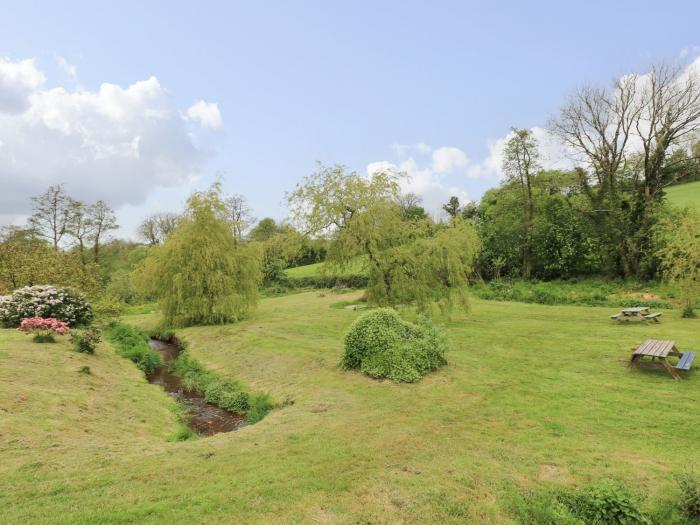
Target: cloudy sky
x: 140, y: 103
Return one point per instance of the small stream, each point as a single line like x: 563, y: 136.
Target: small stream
x: 204, y: 419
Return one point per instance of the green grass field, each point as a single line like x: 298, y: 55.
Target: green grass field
x: 356, y: 267
x: 532, y: 395
x: 684, y: 194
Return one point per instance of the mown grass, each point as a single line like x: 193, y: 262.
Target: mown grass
x: 356, y: 267
x: 682, y: 195
x: 531, y: 396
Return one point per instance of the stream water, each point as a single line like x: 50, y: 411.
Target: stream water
x: 204, y: 419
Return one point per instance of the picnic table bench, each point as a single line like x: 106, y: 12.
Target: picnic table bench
x: 660, y: 349
x: 636, y: 313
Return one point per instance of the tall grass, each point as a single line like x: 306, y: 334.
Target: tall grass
x: 132, y: 344
x: 586, y: 292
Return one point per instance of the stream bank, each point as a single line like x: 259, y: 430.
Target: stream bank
x: 203, y: 418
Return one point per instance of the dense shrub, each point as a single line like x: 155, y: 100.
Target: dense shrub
x: 63, y: 304
x: 543, y: 508
x: 383, y: 345
x: 607, y: 503
x: 226, y: 394
x: 132, y: 344
x: 85, y: 341
x: 689, y: 504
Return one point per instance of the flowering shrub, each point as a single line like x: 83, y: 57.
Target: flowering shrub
x: 43, y: 329
x: 44, y: 301
x: 85, y: 341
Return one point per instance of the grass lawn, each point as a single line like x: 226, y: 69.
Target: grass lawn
x: 684, y: 194
x: 532, y: 395
x: 356, y: 267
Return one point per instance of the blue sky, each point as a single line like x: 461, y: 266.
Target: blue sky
x: 296, y: 82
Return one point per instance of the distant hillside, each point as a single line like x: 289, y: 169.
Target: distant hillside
x: 684, y: 194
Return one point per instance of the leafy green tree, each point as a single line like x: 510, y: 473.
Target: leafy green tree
x: 520, y: 164
x: 623, y: 137
x: 264, y: 230
x: 327, y: 200
x: 564, y: 241
x: 409, y: 262
x: 680, y: 256
x: 452, y: 207
x: 27, y: 261
x: 201, y: 274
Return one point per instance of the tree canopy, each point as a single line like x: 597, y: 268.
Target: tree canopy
x: 201, y: 274
x: 410, y: 259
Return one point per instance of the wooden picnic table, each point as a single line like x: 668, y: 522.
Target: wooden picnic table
x: 635, y: 310
x: 636, y: 313
x: 660, y: 349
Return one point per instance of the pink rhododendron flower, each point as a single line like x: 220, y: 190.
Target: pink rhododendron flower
x: 42, y: 324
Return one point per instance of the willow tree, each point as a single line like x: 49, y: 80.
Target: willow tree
x: 409, y: 260
x: 680, y: 257
x: 201, y: 274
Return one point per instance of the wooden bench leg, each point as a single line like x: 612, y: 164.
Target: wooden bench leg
x: 671, y: 370
x: 633, y: 360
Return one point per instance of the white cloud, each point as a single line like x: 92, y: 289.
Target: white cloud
x: 18, y: 80
x: 447, y: 159
x: 206, y: 113
x: 115, y: 143
x: 553, y: 155
x: 423, y: 181
x: 422, y: 147
x: 688, y: 51
x: 67, y: 67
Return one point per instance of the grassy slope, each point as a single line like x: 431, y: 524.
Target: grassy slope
x: 684, y: 194
x: 532, y: 394
x: 312, y: 270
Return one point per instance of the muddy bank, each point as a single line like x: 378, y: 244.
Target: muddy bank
x: 203, y: 418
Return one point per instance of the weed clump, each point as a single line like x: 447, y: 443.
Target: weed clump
x: 382, y: 345
x: 689, y: 504
x: 609, y: 502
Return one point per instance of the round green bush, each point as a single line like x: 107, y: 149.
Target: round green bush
x: 45, y: 301
x: 382, y: 345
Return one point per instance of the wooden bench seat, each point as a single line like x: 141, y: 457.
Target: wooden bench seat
x: 616, y: 316
x: 686, y: 361
x: 655, y: 316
